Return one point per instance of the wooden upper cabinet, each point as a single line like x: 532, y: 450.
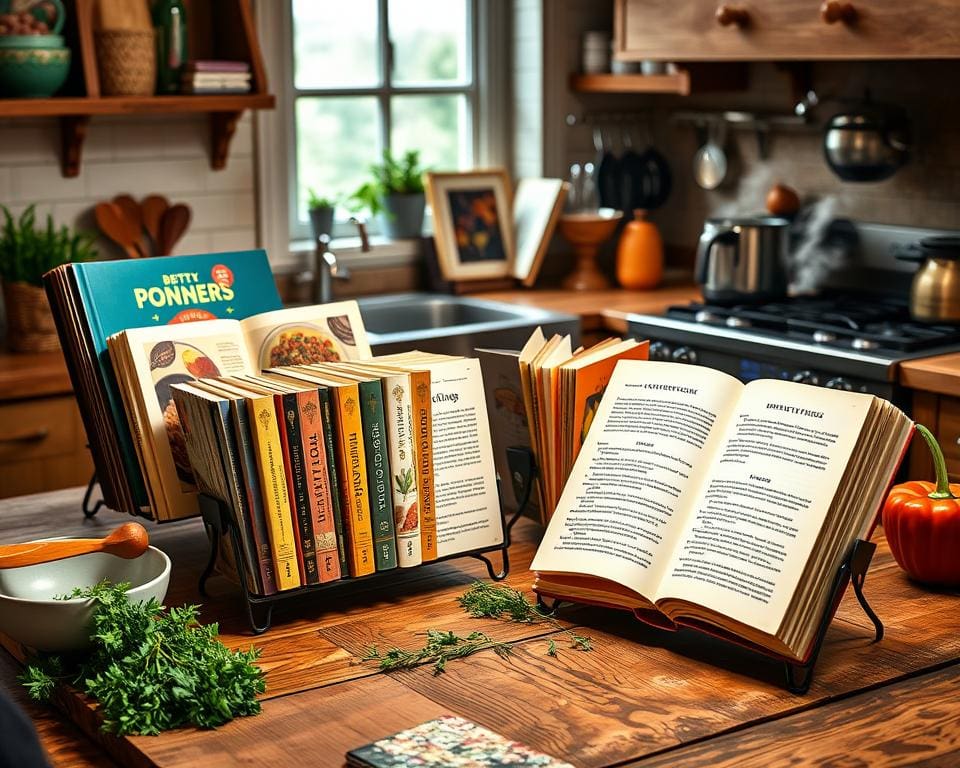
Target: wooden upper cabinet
x: 714, y: 30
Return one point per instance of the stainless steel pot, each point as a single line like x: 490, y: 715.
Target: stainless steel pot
x: 743, y: 260
x: 935, y: 292
x: 867, y: 144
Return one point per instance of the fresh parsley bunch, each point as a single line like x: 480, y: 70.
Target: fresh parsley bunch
x: 153, y: 668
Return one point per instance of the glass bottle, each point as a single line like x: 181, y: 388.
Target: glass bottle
x: 170, y: 30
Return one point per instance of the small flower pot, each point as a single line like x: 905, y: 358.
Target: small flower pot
x: 30, y: 326
x: 321, y: 220
x: 402, y: 216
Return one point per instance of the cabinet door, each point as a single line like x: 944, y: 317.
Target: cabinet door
x: 717, y: 30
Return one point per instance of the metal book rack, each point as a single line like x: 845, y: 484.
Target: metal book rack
x: 799, y: 675
x: 259, y: 608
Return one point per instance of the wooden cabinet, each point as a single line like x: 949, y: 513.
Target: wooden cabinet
x: 716, y: 30
x: 935, y: 382
x: 42, y: 446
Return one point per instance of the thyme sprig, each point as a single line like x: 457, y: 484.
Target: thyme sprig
x: 440, y: 648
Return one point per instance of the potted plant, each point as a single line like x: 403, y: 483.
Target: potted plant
x: 321, y: 213
x: 26, y: 253
x: 395, y: 194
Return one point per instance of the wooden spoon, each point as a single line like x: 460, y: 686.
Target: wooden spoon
x: 128, y: 541
x: 134, y: 220
x: 153, y: 207
x: 172, y: 226
x: 113, y: 223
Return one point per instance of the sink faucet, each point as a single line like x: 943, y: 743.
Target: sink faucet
x: 326, y: 269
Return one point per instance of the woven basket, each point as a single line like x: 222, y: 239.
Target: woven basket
x: 30, y: 326
x: 126, y: 61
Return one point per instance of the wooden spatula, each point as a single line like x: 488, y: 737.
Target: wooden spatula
x: 128, y: 541
x: 172, y: 226
x: 113, y: 223
x: 152, y: 207
x: 133, y: 218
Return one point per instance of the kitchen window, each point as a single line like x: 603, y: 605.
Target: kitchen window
x: 353, y: 77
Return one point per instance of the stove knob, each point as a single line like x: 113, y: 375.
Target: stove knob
x: 685, y: 355
x: 660, y: 351
x: 839, y: 383
x: 806, y: 377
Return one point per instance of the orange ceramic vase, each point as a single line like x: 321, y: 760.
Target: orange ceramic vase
x: 640, y: 254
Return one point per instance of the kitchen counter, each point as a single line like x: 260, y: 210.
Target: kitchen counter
x: 33, y: 374
x: 940, y: 374
x: 935, y: 382
x: 642, y: 697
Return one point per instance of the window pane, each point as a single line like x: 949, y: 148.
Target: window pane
x: 335, y: 44
x: 429, y: 41
x: 337, y: 141
x: 437, y: 126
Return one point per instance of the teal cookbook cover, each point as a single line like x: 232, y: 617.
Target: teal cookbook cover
x: 138, y: 293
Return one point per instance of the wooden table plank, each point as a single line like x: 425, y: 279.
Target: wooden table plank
x: 914, y: 722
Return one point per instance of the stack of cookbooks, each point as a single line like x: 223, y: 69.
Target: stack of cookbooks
x: 341, y: 469
x: 210, y: 77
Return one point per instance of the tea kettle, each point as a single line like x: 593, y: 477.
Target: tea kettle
x: 743, y: 260
x: 935, y: 292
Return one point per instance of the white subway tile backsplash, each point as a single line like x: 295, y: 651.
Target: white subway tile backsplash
x: 28, y: 141
x: 239, y: 240
x: 143, y: 177
x: 6, y: 186
x: 236, y: 177
x: 227, y: 211
x: 39, y: 183
x: 193, y: 242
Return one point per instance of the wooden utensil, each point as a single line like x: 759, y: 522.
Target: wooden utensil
x: 134, y: 220
x: 173, y: 224
x: 152, y: 208
x: 114, y: 224
x: 128, y: 541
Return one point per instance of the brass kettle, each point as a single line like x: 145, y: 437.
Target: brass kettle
x: 935, y: 292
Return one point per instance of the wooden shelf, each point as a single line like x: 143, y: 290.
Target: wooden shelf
x: 677, y: 83
x: 133, y: 105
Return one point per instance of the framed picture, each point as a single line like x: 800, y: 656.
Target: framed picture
x: 472, y: 223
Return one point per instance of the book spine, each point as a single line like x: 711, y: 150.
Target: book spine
x: 398, y: 409
x: 327, y: 413
x: 230, y: 458
x: 297, y: 486
x: 251, y: 479
x: 420, y: 382
x: 351, y: 465
x: 273, y: 485
x: 318, y: 482
x: 378, y: 476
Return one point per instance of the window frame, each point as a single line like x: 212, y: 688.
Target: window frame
x: 275, y: 131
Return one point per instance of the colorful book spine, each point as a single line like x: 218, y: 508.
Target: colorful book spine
x: 288, y: 411
x: 251, y: 481
x: 351, y: 466
x: 378, y: 475
x: 317, y: 472
x: 273, y: 484
x: 423, y: 426
x: 398, y: 409
x: 329, y: 428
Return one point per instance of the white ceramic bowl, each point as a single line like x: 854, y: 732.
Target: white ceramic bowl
x: 30, y: 615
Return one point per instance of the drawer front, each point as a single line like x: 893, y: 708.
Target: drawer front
x: 36, y: 429
x: 785, y: 29
x: 948, y: 432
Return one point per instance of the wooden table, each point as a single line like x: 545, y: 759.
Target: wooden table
x: 641, y: 698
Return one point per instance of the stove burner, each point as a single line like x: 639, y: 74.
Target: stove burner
x: 824, y: 337
x: 876, y: 323
x: 705, y: 316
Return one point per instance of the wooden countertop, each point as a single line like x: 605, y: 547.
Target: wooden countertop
x: 940, y: 374
x: 33, y: 374
x: 643, y: 697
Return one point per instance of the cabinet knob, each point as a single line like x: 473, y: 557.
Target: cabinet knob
x: 736, y: 15
x: 833, y: 11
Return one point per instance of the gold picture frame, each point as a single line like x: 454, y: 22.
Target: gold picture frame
x: 472, y: 223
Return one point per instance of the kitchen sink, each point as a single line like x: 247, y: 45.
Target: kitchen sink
x: 455, y: 325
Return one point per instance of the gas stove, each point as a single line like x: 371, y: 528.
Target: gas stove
x: 840, y: 338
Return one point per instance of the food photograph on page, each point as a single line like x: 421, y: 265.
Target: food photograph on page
x: 479, y: 383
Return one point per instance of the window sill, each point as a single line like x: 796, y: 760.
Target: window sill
x: 382, y: 253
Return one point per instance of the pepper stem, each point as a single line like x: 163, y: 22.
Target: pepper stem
x: 939, y: 464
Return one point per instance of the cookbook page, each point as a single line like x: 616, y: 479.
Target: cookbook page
x: 322, y: 333
x: 638, y: 473
x: 768, y: 491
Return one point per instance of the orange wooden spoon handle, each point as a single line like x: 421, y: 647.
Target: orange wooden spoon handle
x: 129, y: 541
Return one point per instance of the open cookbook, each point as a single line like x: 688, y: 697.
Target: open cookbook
x: 702, y: 501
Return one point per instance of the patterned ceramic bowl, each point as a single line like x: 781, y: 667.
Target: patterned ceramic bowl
x: 33, y: 72
x: 31, y: 41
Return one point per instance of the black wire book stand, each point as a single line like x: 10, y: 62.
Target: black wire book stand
x: 259, y: 608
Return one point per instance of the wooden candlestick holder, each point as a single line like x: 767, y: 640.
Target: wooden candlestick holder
x: 586, y: 231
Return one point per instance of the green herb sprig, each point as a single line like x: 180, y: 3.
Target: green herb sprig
x: 481, y: 600
x: 27, y: 251
x: 152, y: 669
